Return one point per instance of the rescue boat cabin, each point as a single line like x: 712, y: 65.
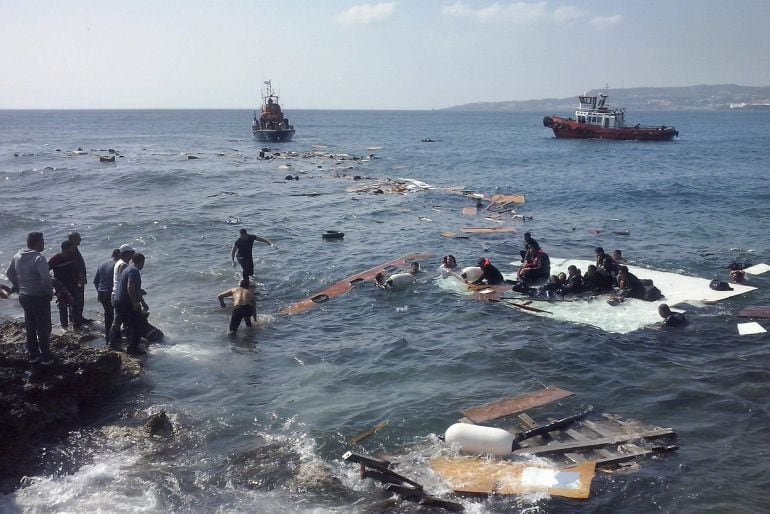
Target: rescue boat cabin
x: 593, y: 110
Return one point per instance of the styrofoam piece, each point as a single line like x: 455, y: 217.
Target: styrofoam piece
x: 757, y: 269
x: 632, y: 314
x: 750, y: 328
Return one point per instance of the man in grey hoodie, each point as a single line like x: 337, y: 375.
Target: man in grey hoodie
x: 28, y: 272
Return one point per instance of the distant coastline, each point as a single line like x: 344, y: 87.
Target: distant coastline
x: 641, y: 99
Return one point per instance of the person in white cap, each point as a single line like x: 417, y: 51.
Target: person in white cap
x: 126, y: 252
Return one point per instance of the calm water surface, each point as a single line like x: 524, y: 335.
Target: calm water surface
x: 260, y: 413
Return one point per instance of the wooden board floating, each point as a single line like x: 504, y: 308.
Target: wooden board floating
x: 484, y: 476
x: 515, y: 404
x: 488, y: 230
x: 505, y: 199
x: 454, y: 235
x: 469, y: 211
x: 348, y: 283
x: 755, y: 311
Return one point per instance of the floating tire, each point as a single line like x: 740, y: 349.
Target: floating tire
x: 332, y: 235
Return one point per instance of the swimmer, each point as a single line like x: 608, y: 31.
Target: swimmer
x: 244, y: 303
x: 671, y: 319
x: 398, y: 280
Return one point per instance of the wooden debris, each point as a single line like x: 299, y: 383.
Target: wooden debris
x: 484, y: 476
x: 365, y: 435
x: 515, y: 405
x: 755, y: 311
x: 552, y: 448
x: 347, y: 284
x: 488, y: 230
x: 396, y: 483
x: 470, y: 211
x: 454, y: 235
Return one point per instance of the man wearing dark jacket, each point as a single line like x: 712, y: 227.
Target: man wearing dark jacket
x: 490, y: 275
x: 66, y: 272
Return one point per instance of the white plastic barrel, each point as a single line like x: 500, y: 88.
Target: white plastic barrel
x: 471, y: 273
x: 476, y: 439
x: 399, y: 280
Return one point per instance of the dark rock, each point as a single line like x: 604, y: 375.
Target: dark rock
x: 39, y: 404
x: 159, y: 424
x: 107, y: 158
x: 193, y: 157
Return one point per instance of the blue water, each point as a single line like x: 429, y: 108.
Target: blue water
x: 292, y: 392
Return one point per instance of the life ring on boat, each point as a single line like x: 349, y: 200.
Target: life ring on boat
x: 477, y: 439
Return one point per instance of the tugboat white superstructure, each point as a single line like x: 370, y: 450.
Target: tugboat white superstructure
x: 595, y: 120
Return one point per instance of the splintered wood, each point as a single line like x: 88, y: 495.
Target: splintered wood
x: 515, y: 405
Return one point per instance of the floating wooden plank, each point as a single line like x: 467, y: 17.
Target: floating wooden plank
x: 524, y: 306
x: 752, y: 327
x: 365, y: 435
x: 515, y: 404
x: 454, y: 235
x: 483, y: 476
x: 755, y: 311
x: 470, y: 211
x: 419, y: 496
x: 593, y: 443
x: 366, y: 460
x: 504, y: 199
x: 599, y: 429
x: 347, y: 284
x: 488, y: 230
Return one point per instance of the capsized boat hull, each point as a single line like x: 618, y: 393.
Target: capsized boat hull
x: 571, y: 129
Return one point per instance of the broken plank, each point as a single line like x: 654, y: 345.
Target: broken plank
x: 488, y: 230
x: 515, y: 405
x: 388, y: 476
x: 469, y: 211
x: 593, y: 443
x: 755, y: 311
x: 365, y: 460
x: 526, y: 421
x: 575, y: 457
x: 365, y: 435
x: 419, y: 496
x: 602, y: 431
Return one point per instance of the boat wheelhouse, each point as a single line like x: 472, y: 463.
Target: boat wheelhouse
x: 271, y: 126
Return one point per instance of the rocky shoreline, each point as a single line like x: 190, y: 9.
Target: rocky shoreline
x: 40, y: 404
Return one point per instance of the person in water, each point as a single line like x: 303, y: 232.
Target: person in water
x: 671, y: 319
x: 449, y: 265
x: 242, y: 250
x: 617, y: 256
x: 398, y: 280
x: 244, y: 305
x: 490, y: 275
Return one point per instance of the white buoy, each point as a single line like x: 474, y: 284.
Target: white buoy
x: 477, y: 439
x: 399, y: 280
x: 471, y: 273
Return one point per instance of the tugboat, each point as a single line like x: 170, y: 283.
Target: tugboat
x: 595, y: 120
x: 271, y: 126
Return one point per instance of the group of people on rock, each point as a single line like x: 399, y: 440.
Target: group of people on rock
x: 118, y: 285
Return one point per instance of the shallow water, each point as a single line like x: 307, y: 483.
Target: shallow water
x: 255, y: 410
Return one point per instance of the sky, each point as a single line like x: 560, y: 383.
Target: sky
x: 337, y: 54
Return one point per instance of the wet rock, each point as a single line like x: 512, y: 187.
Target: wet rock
x: 107, y: 158
x: 159, y: 425
x: 39, y: 404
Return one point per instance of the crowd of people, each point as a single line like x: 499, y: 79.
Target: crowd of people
x: 118, y: 284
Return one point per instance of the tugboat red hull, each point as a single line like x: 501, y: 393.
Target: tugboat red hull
x: 572, y: 129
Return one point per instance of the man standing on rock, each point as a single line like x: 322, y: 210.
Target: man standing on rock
x: 242, y: 250
x: 28, y: 272
x: 103, y: 282
x: 79, y: 294
x: 128, y: 303
x: 126, y: 253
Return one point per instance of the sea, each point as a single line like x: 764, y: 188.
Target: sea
x: 263, y: 418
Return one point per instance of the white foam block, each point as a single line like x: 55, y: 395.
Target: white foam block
x: 757, y: 269
x: 750, y: 328
x: 632, y: 314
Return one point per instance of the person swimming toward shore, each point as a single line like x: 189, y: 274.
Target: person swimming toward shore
x: 398, y: 280
x: 671, y: 319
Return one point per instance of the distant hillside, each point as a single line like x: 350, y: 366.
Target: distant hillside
x: 638, y: 99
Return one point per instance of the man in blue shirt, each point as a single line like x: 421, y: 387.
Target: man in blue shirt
x: 128, y: 303
x: 103, y: 281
